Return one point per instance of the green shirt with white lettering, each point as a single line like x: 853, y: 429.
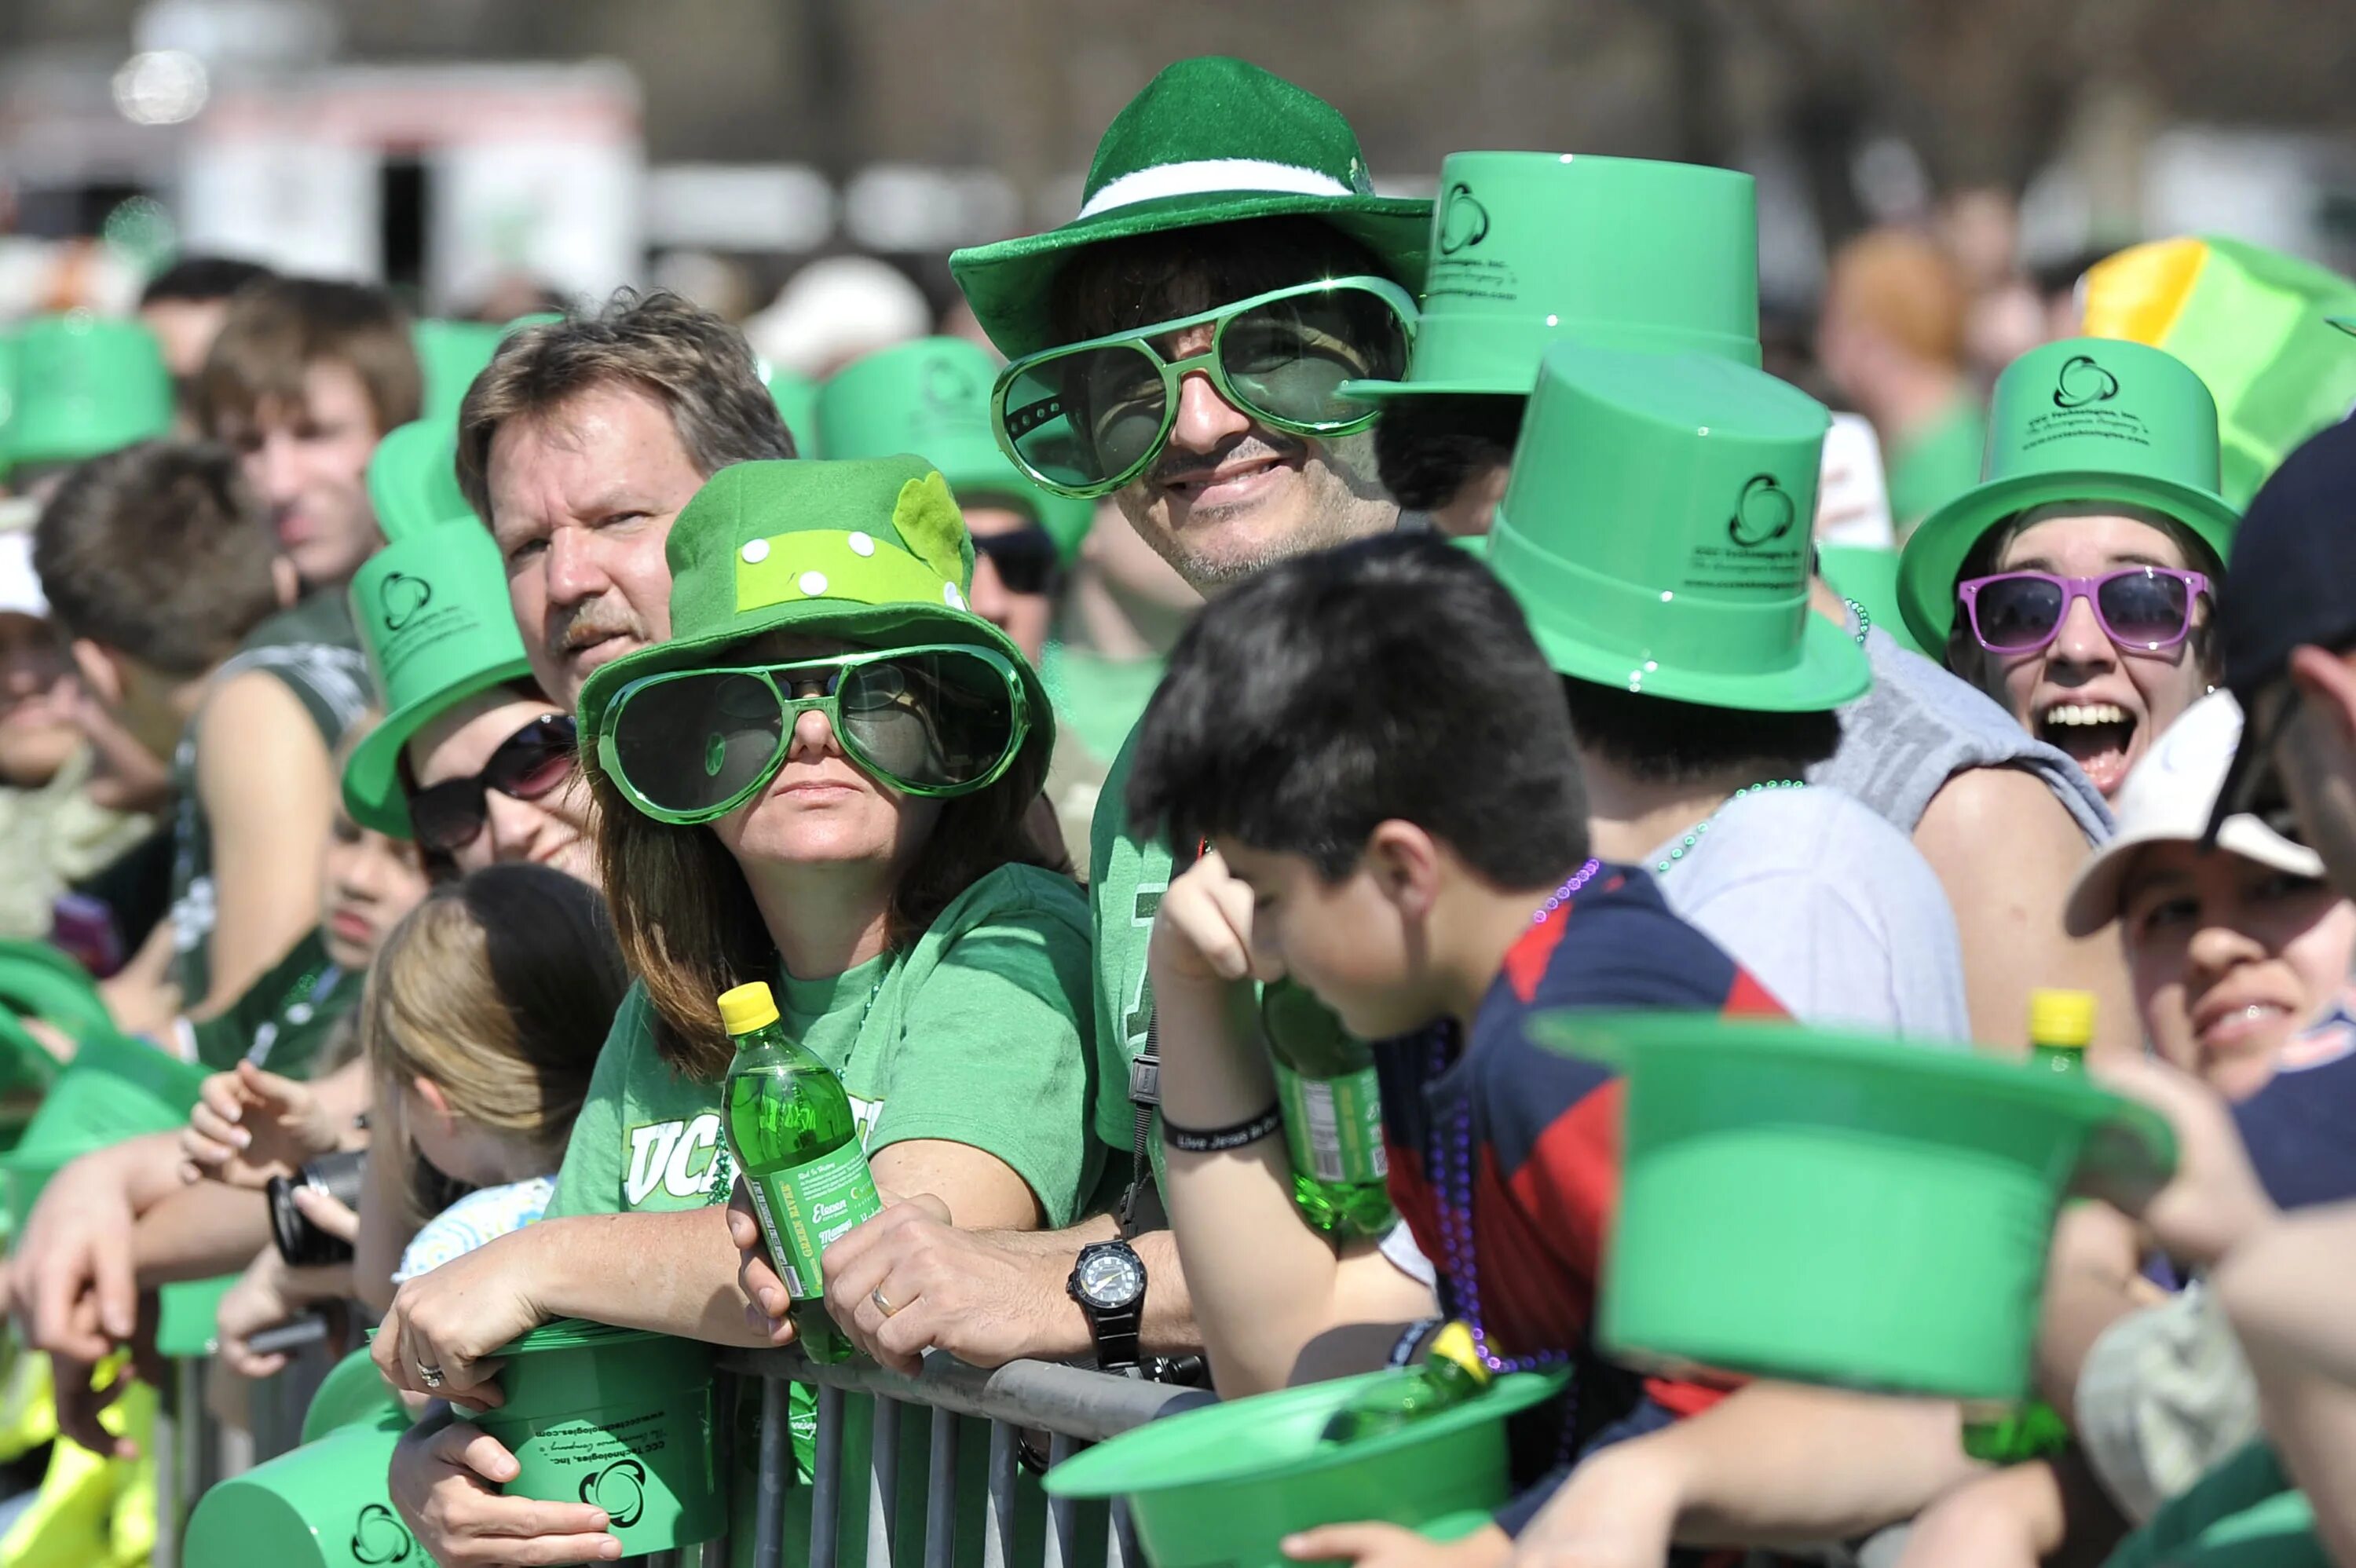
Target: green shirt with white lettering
x: 1125, y: 881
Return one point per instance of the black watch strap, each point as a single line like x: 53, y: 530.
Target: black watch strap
x: 1116, y: 1336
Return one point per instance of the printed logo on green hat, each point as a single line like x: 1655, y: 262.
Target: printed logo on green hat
x: 1763, y: 514
x: 1464, y: 222
x: 620, y: 1488
x: 951, y: 390
x: 378, y: 1537
x: 2083, y: 381
x: 401, y: 596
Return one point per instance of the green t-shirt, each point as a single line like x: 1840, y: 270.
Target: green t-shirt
x: 2243, y: 1514
x: 1125, y: 881
x: 284, y: 1018
x: 1099, y: 699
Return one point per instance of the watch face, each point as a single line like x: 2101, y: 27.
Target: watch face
x: 1111, y: 1279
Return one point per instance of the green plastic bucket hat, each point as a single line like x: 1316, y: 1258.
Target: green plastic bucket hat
x: 1868, y: 574
x: 412, y: 478
x: 2085, y: 419
x: 1221, y: 1487
x: 873, y: 551
x: 353, y: 1394
x: 46, y: 983
x: 323, y: 1505
x: 1530, y: 248
x: 796, y: 400
x: 450, y: 354
x: 1210, y: 140
x: 1889, y: 1207
x: 617, y: 1417
x: 1655, y: 531
x: 187, y: 1317
x: 7, y: 401
x: 85, y: 385
x: 114, y: 1088
x: 436, y: 620
x: 932, y: 397
x: 2253, y: 323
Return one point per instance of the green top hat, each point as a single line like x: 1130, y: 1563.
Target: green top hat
x: 1210, y: 140
x: 2253, y: 323
x: 413, y: 478
x: 7, y: 401
x: 1656, y: 531
x: 2085, y: 419
x: 450, y: 354
x: 434, y: 616
x: 86, y: 385
x: 1869, y: 575
x: 1527, y: 247
x: 796, y: 400
x: 873, y: 551
x: 932, y: 396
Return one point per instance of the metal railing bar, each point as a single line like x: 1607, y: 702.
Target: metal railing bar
x: 941, y: 1492
x: 776, y: 1474
x: 884, y: 1484
x: 997, y: 1535
x: 1071, y: 1401
x: 1063, y: 1513
x: 1120, y: 1539
x: 826, y: 1481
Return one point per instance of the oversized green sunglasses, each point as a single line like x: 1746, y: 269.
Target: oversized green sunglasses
x: 1087, y: 418
x: 692, y: 745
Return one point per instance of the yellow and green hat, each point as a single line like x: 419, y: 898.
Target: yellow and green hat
x: 1210, y: 140
x: 872, y: 550
x: 932, y: 396
x: 2256, y: 324
x: 1531, y: 247
x: 432, y: 611
x: 2085, y: 418
x: 86, y: 385
x: 1655, y: 531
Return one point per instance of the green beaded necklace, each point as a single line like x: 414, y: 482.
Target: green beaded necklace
x: 1701, y: 830
x: 1864, y: 620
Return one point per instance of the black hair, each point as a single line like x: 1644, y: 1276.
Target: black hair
x: 1119, y: 285
x: 200, y: 280
x: 1389, y: 678
x: 1662, y: 740
x: 1427, y: 447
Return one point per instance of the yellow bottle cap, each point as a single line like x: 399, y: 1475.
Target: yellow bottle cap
x: 747, y: 1008
x: 1454, y: 1343
x: 2061, y: 1019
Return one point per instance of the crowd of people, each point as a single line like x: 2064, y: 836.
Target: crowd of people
x: 419, y: 729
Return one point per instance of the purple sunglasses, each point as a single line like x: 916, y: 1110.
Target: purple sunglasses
x: 2143, y: 608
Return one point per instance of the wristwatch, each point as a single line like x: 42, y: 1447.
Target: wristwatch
x: 1109, y: 1281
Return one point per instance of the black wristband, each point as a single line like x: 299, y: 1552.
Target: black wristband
x: 1219, y: 1140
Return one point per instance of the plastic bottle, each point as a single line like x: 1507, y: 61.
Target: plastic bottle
x: 1333, y: 1114
x: 1450, y: 1373
x: 792, y: 1134
x: 2060, y: 1028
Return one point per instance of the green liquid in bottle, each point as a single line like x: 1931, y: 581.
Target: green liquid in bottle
x: 791, y: 1131
x: 1450, y: 1373
x: 1333, y: 1114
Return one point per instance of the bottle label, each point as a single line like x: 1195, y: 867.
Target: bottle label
x: 804, y: 1210
x: 1334, y: 1126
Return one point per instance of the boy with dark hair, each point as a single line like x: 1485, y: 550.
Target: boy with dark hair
x: 1380, y: 755
x: 185, y: 304
x: 156, y: 565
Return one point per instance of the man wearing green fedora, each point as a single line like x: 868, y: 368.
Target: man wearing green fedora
x: 1528, y: 249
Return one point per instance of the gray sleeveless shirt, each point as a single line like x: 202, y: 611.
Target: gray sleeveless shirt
x: 1920, y: 726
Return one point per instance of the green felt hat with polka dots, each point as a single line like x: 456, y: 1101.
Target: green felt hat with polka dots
x: 873, y: 551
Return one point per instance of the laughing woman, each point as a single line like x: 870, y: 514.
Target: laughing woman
x: 2077, y: 582
x: 820, y: 781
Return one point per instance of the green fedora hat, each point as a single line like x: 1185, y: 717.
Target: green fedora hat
x: 872, y: 550
x: 1210, y: 140
x: 85, y: 385
x: 932, y: 396
x: 413, y: 478
x: 434, y: 619
x: 1528, y: 248
x: 2085, y: 418
x: 1655, y: 531
x: 797, y: 399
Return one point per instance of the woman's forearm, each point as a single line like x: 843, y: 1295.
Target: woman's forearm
x: 199, y: 1231
x: 674, y: 1274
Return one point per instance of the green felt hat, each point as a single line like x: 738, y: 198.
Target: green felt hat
x: 85, y: 385
x: 1655, y: 531
x: 1868, y: 574
x: 1210, y: 140
x: 413, y: 478
x: 796, y: 400
x: 1889, y: 1206
x: 932, y: 396
x: 873, y: 551
x: 435, y: 619
x: 1528, y: 248
x: 2253, y: 323
x: 2085, y: 419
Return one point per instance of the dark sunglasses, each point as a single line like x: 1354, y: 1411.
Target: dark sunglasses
x: 1024, y: 559
x: 533, y: 762
x: 2145, y: 609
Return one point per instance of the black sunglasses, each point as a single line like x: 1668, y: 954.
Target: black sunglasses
x: 1025, y: 559
x: 530, y: 763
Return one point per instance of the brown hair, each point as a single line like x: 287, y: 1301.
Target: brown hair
x: 1902, y: 285
x: 689, y: 928
x: 278, y: 329
x: 156, y: 551
x: 691, y: 361
x: 501, y: 988
x: 1119, y: 285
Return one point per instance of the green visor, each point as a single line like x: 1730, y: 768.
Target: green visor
x: 1087, y: 418
x: 692, y: 745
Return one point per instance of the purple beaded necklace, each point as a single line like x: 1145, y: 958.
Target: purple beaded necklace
x: 1450, y: 1163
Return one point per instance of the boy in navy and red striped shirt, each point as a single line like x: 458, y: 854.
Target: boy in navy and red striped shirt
x: 1382, y: 764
